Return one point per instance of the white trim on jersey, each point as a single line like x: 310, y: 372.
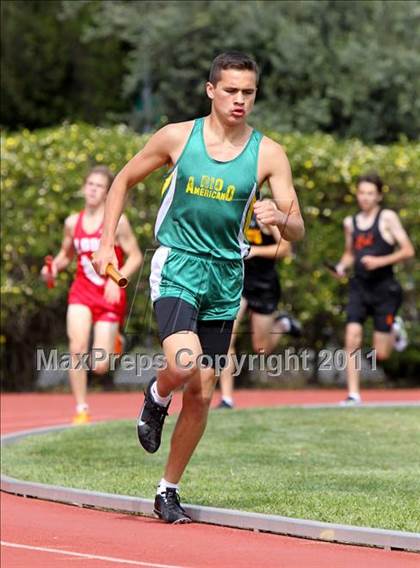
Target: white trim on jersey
x: 241, y: 235
x: 166, y: 202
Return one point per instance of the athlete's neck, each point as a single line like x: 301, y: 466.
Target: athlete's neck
x: 97, y: 211
x: 232, y: 133
x: 367, y: 214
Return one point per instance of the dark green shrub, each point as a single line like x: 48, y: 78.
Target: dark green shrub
x: 42, y: 172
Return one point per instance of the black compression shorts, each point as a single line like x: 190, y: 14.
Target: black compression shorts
x: 262, y: 296
x: 378, y: 299
x: 174, y: 315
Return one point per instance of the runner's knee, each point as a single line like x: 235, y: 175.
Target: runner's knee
x: 78, y: 346
x: 181, y: 373
x: 382, y: 353
x: 197, y: 402
x: 353, y: 339
x: 100, y: 368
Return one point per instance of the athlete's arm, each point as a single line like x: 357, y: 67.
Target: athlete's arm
x: 396, y: 230
x: 65, y: 256
x: 275, y: 169
x: 347, y: 259
x: 157, y: 152
x: 280, y: 249
x: 125, y: 238
x: 128, y: 242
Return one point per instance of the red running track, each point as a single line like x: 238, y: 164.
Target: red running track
x: 38, y: 533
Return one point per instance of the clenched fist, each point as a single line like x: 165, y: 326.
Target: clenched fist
x: 267, y: 213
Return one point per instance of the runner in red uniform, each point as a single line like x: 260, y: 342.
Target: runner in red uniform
x: 88, y: 288
x: 93, y: 300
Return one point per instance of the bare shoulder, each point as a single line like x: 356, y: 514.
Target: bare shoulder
x: 272, y: 159
x: 171, y: 139
x: 123, y: 223
x: 271, y: 149
x: 70, y: 222
x: 176, y: 131
x: 348, y: 223
x: 389, y: 215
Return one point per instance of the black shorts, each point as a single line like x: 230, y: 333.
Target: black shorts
x: 378, y: 299
x: 262, y: 296
x: 174, y: 315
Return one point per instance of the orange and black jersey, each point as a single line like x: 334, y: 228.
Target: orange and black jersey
x: 370, y: 242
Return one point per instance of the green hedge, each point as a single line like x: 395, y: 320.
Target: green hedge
x: 42, y: 172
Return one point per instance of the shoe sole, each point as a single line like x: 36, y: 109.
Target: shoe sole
x: 183, y: 521
x: 149, y: 451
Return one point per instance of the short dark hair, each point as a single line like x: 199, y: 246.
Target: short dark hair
x: 232, y: 60
x: 103, y: 170
x: 371, y: 177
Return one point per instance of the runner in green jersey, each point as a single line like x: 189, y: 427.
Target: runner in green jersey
x: 217, y: 165
x: 206, y: 205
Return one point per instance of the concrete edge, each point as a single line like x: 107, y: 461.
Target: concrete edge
x: 302, y: 528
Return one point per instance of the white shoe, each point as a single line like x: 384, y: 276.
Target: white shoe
x: 351, y: 400
x: 401, y: 337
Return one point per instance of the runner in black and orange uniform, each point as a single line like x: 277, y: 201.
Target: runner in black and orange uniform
x: 371, y: 237
x: 260, y: 297
x: 93, y: 300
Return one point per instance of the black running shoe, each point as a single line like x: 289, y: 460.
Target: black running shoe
x: 168, y: 508
x: 150, y: 421
x: 223, y: 404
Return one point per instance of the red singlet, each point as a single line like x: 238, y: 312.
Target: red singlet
x: 88, y: 287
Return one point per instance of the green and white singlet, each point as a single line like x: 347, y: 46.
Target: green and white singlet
x: 205, y: 209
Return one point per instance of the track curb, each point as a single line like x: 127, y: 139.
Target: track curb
x: 329, y: 532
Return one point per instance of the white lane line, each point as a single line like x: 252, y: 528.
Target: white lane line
x: 91, y: 556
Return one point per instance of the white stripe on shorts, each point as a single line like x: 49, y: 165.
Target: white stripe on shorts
x: 158, y: 262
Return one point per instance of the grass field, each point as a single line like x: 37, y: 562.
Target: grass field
x: 356, y: 466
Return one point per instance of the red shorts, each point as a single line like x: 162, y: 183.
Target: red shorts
x: 84, y: 292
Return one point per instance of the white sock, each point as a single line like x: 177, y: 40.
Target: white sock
x: 228, y: 400
x: 82, y: 408
x: 164, y: 485
x: 354, y: 395
x: 285, y: 323
x: 162, y: 400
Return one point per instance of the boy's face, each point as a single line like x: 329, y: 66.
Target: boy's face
x: 95, y: 189
x: 368, y: 196
x: 234, y: 94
